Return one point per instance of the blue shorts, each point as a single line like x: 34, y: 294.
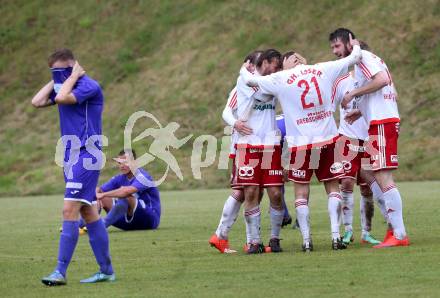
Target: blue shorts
x: 81, y: 178
x: 144, y: 218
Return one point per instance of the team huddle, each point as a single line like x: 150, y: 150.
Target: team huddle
x: 362, y: 150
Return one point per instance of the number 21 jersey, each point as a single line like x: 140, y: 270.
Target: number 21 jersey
x: 304, y: 93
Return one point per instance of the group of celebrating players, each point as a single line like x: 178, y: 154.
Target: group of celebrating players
x: 306, y: 140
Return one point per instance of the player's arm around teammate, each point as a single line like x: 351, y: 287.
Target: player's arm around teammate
x: 229, y: 117
x: 378, y: 81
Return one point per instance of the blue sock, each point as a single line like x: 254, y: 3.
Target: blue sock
x: 286, y: 211
x: 117, y: 211
x: 68, y: 240
x: 98, y: 238
x: 82, y: 223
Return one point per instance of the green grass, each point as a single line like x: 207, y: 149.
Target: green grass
x: 176, y: 260
x: 179, y: 59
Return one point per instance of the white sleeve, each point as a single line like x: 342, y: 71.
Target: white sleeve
x: 232, y: 98
x: 231, y: 105
x: 247, y: 77
x: 369, y: 65
x: 228, y: 116
x: 242, y: 84
x: 267, y: 84
x: 337, y: 94
x: 337, y: 68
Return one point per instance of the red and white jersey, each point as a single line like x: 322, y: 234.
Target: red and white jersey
x: 258, y: 110
x: 232, y: 99
x: 359, y: 128
x: 380, y: 106
x: 305, y: 96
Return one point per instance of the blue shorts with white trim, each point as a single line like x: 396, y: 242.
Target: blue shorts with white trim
x: 81, y: 177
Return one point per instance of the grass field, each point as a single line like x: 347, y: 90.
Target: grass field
x: 177, y: 261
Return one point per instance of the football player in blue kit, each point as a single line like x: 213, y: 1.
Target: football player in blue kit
x: 131, y: 199
x: 80, y: 102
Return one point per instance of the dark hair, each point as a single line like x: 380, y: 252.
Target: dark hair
x: 60, y: 55
x: 364, y: 45
x: 342, y: 34
x: 287, y: 55
x: 128, y: 152
x: 268, y: 55
x: 253, y: 57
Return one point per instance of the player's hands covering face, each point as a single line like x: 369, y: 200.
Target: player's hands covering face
x: 77, y: 70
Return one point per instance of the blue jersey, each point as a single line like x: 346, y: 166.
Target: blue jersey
x: 281, y: 126
x: 148, y: 194
x: 80, y: 121
x: 84, y: 118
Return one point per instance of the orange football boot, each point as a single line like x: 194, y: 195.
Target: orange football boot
x: 393, y: 241
x: 222, y: 245
x: 388, y: 235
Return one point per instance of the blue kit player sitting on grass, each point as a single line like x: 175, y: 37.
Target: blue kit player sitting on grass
x: 80, y: 102
x: 131, y: 199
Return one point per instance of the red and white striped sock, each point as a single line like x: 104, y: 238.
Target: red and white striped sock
x: 229, y: 216
x: 302, y: 215
x: 252, y: 217
x: 393, y: 203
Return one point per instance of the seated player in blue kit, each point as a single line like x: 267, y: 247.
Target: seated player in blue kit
x: 131, y: 199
